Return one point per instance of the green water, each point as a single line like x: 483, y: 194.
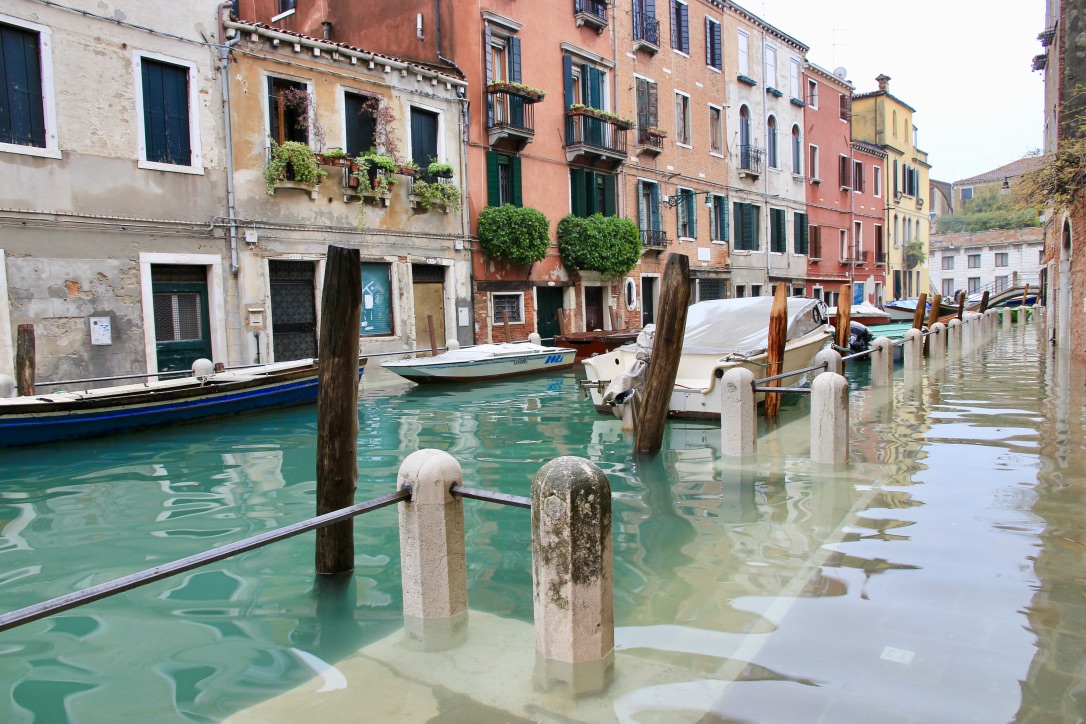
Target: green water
x: 939, y: 578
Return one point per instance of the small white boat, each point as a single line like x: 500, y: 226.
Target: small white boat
x: 720, y: 334
x: 484, y: 362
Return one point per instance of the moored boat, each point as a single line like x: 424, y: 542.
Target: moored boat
x: 484, y: 362
x: 590, y: 344
x: 720, y: 335
x: 866, y: 314
x: 70, y: 414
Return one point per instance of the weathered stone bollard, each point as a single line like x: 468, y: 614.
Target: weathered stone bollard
x: 738, y: 414
x: 954, y: 338
x: 534, y: 338
x: 1006, y: 314
x: 832, y: 359
x: 882, y: 362
x: 914, y: 349
x: 432, y: 552
x: 7, y: 386
x: 937, y: 342
x: 572, y: 575
x: 829, y: 419
x: 451, y: 345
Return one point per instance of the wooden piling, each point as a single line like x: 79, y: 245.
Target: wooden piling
x: 666, y: 350
x: 920, y: 311
x: 561, y: 318
x: 778, y: 337
x: 844, y: 316
x: 337, y: 405
x: 505, y: 322
x: 1021, y: 306
x: 961, y: 305
x: 25, y: 360
x: 933, y: 317
x: 984, y: 302
x: 614, y: 318
x: 433, y: 334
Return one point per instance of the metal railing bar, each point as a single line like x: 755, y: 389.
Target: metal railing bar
x: 855, y: 355
x: 126, y: 583
x: 793, y: 373
x: 768, y: 388
x: 516, y: 501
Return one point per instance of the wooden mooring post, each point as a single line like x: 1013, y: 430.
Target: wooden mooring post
x: 433, y: 334
x: 933, y: 319
x: 25, y: 360
x: 505, y: 323
x: 666, y: 350
x: 920, y: 311
x: 843, y: 330
x: 984, y: 302
x: 778, y: 337
x: 961, y: 305
x: 337, y: 405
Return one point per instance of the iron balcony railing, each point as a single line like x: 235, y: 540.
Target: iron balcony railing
x: 513, y: 111
x: 595, y: 8
x: 646, y: 28
x: 880, y: 257
x: 598, y: 133
x: 855, y: 256
x: 654, y: 140
x: 750, y: 159
x: 653, y: 238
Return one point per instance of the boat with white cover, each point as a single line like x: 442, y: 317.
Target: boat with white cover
x: 720, y: 335
x: 484, y: 362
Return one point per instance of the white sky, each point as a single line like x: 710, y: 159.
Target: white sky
x: 964, y: 65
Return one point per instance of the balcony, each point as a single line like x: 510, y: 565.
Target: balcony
x: 592, y: 13
x: 855, y: 257
x: 750, y: 161
x: 510, y: 116
x: 655, y: 239
x: 1040, y: 62
x: 593, y: 135
x: 880, y: 257
x: 646, y: 32
x: 650, y: 140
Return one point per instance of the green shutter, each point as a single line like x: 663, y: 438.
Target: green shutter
x: 724, y: 219
x: 514, y: 170
x: 755, y: 227
x: 493, y: 194
x: 577, y: 192
x: 608, y: 194
x: 692, y: 214
x: 657, y: 222
x: 738, y: 220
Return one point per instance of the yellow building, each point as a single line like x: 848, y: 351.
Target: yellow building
x: 882, y: 119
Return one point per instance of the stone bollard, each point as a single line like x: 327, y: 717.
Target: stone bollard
x: 954, y: 338
x: 914, y: 349
x: 829, y: 419
x: 882, y: 363
x: 572, y: 575
x: 832, y: 358
x: 738, y: 414
x: 967, y: 333
x: 1005, y: 313
x: 432, y: 552
x: 534, y: 338
x: 937, y: 342
x: 7, y: 386
x: 451, y: 345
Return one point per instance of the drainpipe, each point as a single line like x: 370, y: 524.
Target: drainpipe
x: 224, y: 63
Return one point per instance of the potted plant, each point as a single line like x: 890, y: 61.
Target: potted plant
x: 520, y: 89
x: 427, y: 194
x: 371, y: 167
x: 579, y: 109
x: 439, y: 170
x: 656, y: 132
x: 292, y: 161
x: 408, y: 168
x: 337, y: 157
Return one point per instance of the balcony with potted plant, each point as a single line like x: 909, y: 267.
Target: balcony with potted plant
x: 435, y: 189
x: 594, y: 134
x: 651, y: 140
x: 370, y: 176
x: 511, y: 112
x: 292, y: 165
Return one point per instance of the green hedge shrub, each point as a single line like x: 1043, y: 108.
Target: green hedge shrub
x: 606, y: 244
x: 519, y: 234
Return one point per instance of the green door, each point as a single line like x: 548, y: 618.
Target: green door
x: 548, y: 302
x: 182, y: 326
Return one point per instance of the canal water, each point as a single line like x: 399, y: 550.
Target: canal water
x: 939, y: 578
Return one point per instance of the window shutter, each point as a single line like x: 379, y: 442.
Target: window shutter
x: 154, y: 112
x: 724, y: 219
x: 487, y: 40
x: 609, y: 194
x: 514, y: 169
x: 675, y: 24
x: 895, y: 177
x: 175, y: 96
x: 650, y: 9
x: 799, y: 233
x: 577, y: 191
x: 22, y: 114
x: 718, y: 47
x: 657, y: 222
x: 595, y: 87
x: 708, y: 42
x: 493, y: 194
x: 684, y: 19
x: 692, y: 214
x: 755, y: 228
x: 643, y: 213
x: 654, y: 121
x: 567, y: 78
x: 514, y: 59
x: 737, y: 209
x: 642, y: 103
x: 843, y: 170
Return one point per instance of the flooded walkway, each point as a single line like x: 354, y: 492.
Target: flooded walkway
x: 938, y: 579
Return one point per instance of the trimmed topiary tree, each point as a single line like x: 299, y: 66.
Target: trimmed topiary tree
x: 606, y: 244
x: 519, y: 234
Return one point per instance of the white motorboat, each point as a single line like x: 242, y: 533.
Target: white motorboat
x: 484, y: 362
x: 720, y: 334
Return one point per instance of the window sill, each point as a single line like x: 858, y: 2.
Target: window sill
x: 30, y: 150
x: 280, y: 16
x: 714, y: 153
x: 684, y: 145
x: 718, y: 241
x: 798, y: 178
x: 714, y: 69
x: 170, y: 167
x: 688, y: 239
x: 679, y: 52
x: 742, y: 252
x: 816, y: 181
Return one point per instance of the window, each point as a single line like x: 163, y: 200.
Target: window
x: 846, y: 107
x: 812, y: 93
x: 797, y: 152
x: 682, y: 119
x: 772, y: 154
x: 1040, y: 256
x: 894, y: 122
x: 360, y: 123
x: 680, y: 27
x: 712, y: 289
x: 843, y: 239
x: 876, y: 180
x: 948, y: 263
x: 814, y: 248
x: 746, y: 226
x: 800, y: 241
x: 858, y: 176
x: 812, y: 164
x: 755, y: 290
x: 584, y: 84
x: 27, y: 114
x: 288, y: 108
x: 647, y: 116
x: 502, y: 179
x: 716, y: 131
x: 285, y: 5
x: 591, y: 193
x: 880, y: 249
x: 424, y: 136
x: 720, y: 219
x: 973, y: 261
x: 897, y: 192
x: 740, y: 291
x: 778, y: 231
x: 165, y: 129
x: 842, y: 173
x: 974, y: 285
x: 743, y: 46
x: 857, y: 240
x: 897, y: 231
x: 376, y: 300
x: 713, y: 48
x: 770, y: 66
x: 503, y: 63
x: 649, y: 209
x: 948, y: 287
x: 508, y: 306
x: 793, y: 77
x: 687, y: 214
x: 967, y: 193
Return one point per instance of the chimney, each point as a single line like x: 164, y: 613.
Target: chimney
x: 884, y: 82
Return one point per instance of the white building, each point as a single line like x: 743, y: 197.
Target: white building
x: 981, y: 261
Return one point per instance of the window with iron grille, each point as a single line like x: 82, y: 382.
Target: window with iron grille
x: 376, y: 317
x: 178, y: 317
x: 712, y: 289
x: 508, y: 304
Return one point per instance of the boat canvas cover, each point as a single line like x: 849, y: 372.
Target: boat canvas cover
x: 741, y: 326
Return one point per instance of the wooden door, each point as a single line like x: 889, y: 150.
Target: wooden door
x: 429, y: 293
x: 593, y: 308
x: 293, y: 309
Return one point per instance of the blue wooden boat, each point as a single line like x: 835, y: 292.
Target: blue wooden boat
x: 68, y: 415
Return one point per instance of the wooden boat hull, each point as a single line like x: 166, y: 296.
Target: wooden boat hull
x: 591, y: 344
x: 94, y: 413
x: 435, y: 370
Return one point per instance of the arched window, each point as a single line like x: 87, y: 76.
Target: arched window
x: 895, y: 124
x: 771, y: 142
x: 797, y: 152
x: 744, y: 126
x: 897, y: 232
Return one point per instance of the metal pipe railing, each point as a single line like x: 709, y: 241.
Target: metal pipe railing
x: 516, y: 501
x: 793, y: 373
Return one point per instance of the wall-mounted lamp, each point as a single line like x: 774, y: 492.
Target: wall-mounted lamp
x: 673, y: 201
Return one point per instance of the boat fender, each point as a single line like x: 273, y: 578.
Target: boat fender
x: 203, y: 368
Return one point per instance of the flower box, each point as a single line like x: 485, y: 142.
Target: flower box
x: 746, y: 79
x: 518, y: 89
x: 579, y: 110
x: 655, y: 132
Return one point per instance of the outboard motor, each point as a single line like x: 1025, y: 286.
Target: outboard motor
x: 860, y: 338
